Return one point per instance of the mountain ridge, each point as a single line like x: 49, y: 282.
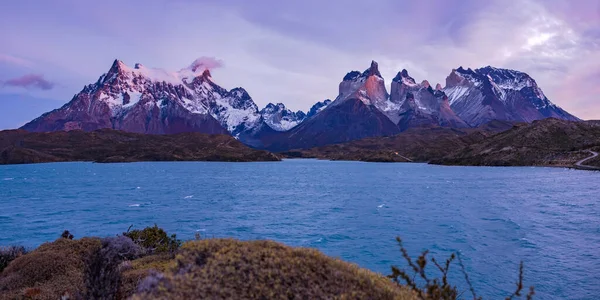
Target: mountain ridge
x: 154, y: 101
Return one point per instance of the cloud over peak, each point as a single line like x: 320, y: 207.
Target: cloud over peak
x: 205, y: 63
x: 30, y: 81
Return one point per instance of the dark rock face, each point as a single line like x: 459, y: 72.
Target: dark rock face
x: 353, y: 114
x: 349, y: 120
x: 481, y: 95
x: 319, y: 106
x: 419, y: 105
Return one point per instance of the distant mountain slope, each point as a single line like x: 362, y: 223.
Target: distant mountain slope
x: 414, y: 144
x: 352, y: 115
x: 414, y: 104
x: 543, y: 142
x: 106, y: 145
x: 481, y: 95
x: 154, y: 101
x: 280, y: 118
x: 318, y: 107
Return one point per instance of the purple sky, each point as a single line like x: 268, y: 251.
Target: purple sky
x: 295, y: 52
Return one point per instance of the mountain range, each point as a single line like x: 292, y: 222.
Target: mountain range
x: 154, y: 101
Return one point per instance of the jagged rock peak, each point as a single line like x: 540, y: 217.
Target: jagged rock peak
x: 372, y: 70
x: 117, y: 64
x: 206, y: 73
x: 116, y: 67
x: 240, y: 93
x: 438, y: 87
x: 317, y: 107
x: 138, y: 66
x: 352, y: 75
x: 403, y: 77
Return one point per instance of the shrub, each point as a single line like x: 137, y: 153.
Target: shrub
x: 154, y: 240
x: 103, y: 272
x: 66, y: 235
x: 50, y: 271
x: 10, y: 253
x: 140, y: 269
x: 436, y: 288
x: 228, y: 268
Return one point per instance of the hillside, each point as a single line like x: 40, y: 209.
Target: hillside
x: 119, y: 268
x: 106, y: 145
x: 549, y: 142
x: 415, y: 144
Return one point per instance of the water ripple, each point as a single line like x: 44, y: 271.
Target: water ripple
x: 495, y: 217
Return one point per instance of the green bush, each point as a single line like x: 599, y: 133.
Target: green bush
x: 154, y: 240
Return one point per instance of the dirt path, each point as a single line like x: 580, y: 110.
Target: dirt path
x: 580, y: 164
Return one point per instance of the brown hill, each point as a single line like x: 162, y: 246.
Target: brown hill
x: 549, y: 142
x: 415, y: 144
x: 107, y: 145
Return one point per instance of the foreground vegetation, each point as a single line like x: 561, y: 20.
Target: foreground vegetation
x: 150, y: 264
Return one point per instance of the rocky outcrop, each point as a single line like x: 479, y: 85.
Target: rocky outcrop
x: 419, y: 105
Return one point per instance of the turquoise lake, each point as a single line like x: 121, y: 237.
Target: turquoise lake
x: 494, y: 217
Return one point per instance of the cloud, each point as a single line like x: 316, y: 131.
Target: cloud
x: 205, y: 63
x: 297, y: 53
x: 13, y: 60
x: 35, y: 81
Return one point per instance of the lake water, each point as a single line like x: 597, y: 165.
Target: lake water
x: 495, y: 217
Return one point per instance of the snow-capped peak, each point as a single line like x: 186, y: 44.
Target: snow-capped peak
x: 280, y: 118
x: 188, y: 74
x: 191, y: 88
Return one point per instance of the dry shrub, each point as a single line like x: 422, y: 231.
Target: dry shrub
x: 50, y: 271
x: 228, y: 268
x: 139, y: 269
x: 439, y: 288
x: 103, y: 267
x: 10, y: 253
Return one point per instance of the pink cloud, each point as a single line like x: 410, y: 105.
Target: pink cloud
x: 13, y: 60
x: 206, y: 63
x: 31, y: 81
